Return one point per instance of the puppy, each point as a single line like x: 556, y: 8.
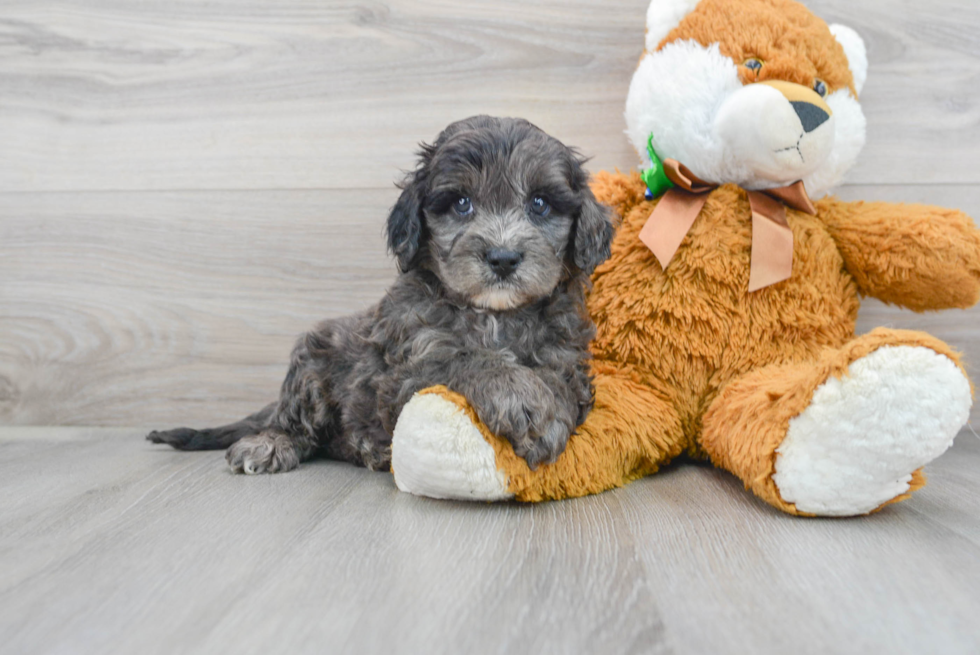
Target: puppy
x: 496, y: 233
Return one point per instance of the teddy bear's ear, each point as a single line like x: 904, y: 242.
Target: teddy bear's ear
x: 857, y: 54
x: 663, y: 16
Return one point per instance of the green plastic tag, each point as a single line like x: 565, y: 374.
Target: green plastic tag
x: 655, y: 177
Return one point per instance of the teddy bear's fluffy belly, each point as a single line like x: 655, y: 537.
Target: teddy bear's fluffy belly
x: 694, y: 327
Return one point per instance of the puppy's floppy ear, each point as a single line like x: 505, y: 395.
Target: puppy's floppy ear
x: 593, y: 232
x: 404, y: 227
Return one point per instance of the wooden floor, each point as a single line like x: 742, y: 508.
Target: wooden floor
x: 111, y: 545
x: 185, y: 186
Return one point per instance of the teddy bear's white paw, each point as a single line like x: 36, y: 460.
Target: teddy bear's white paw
x: 855, y: 447
x: 437, y: 451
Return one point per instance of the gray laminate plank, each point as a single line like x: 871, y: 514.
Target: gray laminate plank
x: 250, y: 94
x: 111, y: 545
x: 744, y: 578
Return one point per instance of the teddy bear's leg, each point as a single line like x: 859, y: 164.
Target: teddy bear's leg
x: 846, y: 434
x: 441, y: 450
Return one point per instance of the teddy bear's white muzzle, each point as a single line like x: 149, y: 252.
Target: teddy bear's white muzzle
x: 781, y: 140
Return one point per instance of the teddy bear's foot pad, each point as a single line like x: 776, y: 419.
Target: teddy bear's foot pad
x: 437, y: 451
x: 857, y: 444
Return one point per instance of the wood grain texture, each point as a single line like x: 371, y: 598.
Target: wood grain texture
x: 117, y: 306
x: 140, y: 304
x: 111, y: 545
x: 181, y: 307
x: 257, y: 94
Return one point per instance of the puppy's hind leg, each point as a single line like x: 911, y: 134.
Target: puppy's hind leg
x: 214, y: 438
x: 296, y: 424
x: 272, y: 451
x: 284, y: 433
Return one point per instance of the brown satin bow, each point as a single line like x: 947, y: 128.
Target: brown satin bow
x: 772, y: 239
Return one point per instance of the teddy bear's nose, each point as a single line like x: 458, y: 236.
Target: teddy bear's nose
x: 810, y: 115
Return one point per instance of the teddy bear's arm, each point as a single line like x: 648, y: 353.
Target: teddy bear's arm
x: 917, y: 256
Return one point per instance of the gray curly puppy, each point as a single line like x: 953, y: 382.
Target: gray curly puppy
x: 496, y: 233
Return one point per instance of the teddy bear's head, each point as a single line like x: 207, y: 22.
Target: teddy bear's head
x: 760, y: 93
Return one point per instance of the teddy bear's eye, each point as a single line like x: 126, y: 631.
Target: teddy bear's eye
x: 753, y: 64
x: 820, y: 88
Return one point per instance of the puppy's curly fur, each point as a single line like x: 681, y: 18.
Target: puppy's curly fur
x: 496, y: 233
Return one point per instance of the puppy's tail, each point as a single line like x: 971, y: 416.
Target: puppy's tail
x: 214, y: 438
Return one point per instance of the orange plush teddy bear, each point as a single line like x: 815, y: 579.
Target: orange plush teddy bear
x: 726, y: 313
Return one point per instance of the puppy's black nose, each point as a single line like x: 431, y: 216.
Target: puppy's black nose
x: 503, y: 262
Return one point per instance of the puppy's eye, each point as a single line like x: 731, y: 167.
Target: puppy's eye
x: 820, y: 88
x: 540, y: 206
x: 463, y: 206
x: 753, y: 64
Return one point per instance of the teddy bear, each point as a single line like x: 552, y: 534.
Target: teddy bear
x: 726, y: 313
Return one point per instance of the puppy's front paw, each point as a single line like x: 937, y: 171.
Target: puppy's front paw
x: 521, y: 408
x: 544, y: 448
x: 263, y: 453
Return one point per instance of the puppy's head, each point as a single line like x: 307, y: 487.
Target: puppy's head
x: 500, y: 212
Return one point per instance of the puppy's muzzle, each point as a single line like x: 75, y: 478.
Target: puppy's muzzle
x: 503, y: 262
